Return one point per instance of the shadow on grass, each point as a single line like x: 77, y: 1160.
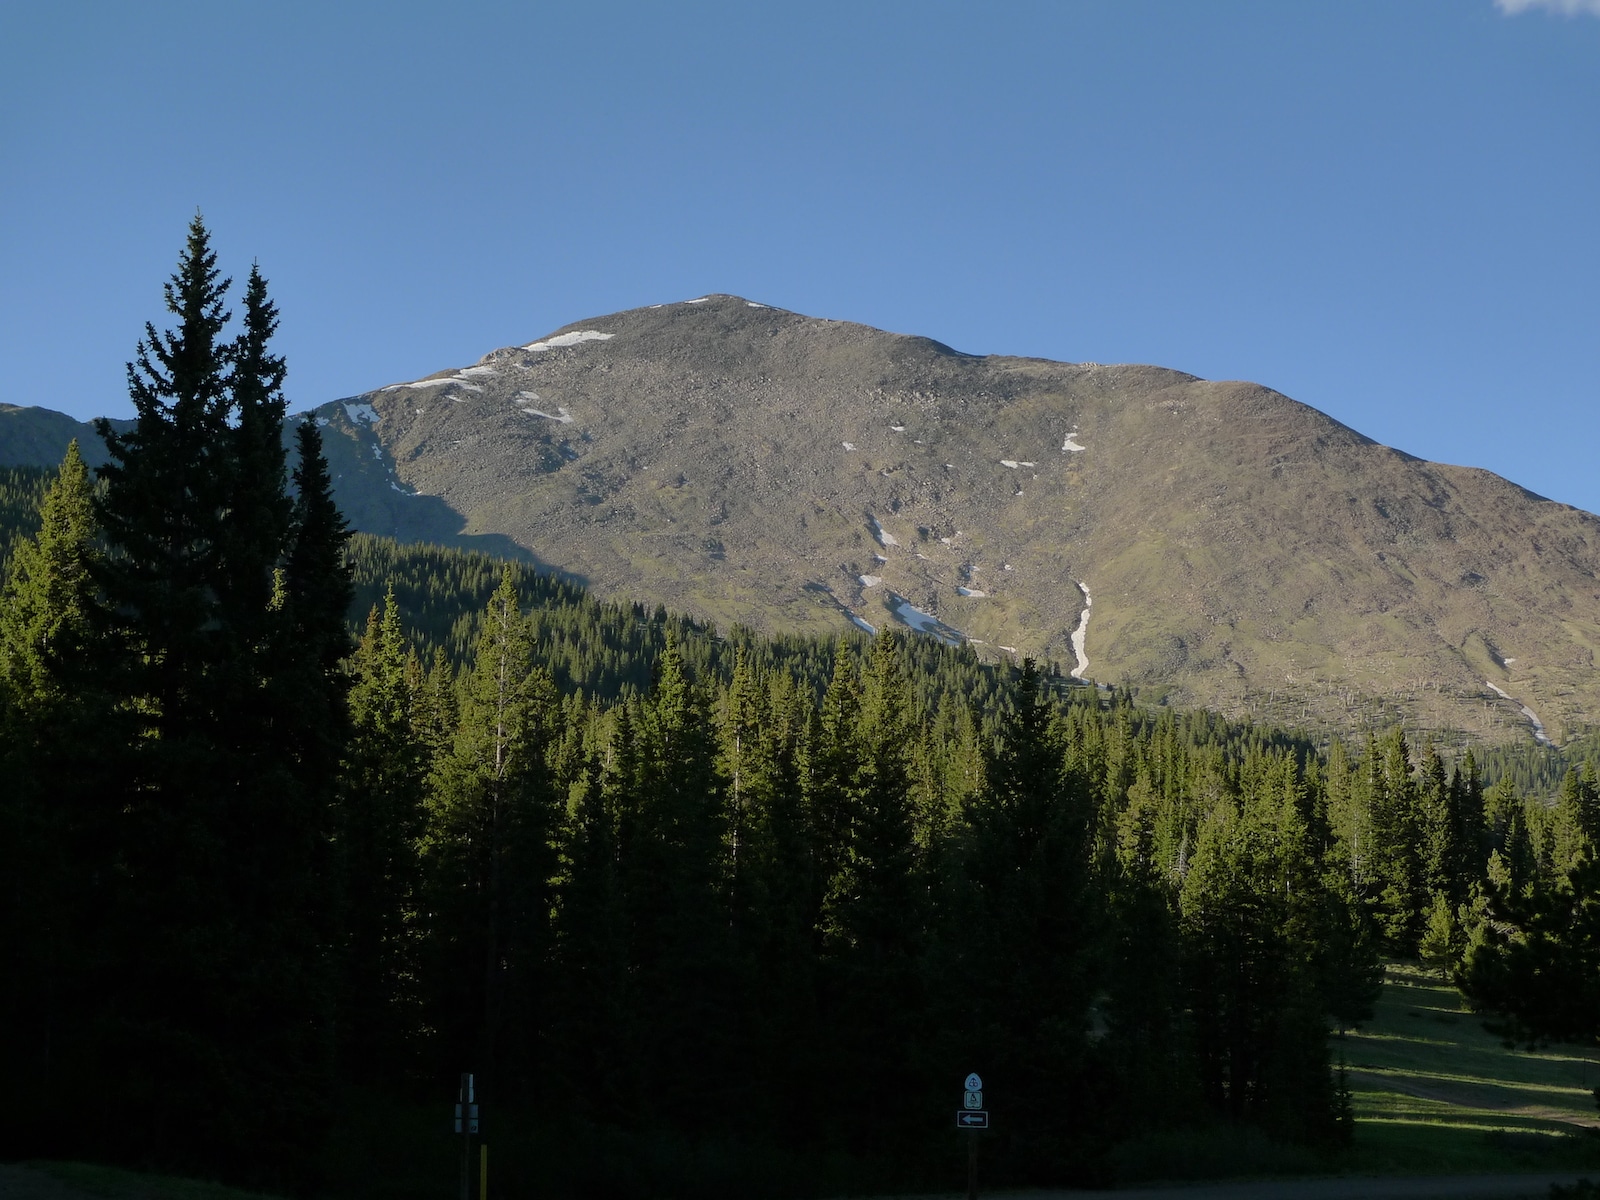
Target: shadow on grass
x: 1415, y: 1148
x: 1185, y: 1155
x: 1381, y: 1148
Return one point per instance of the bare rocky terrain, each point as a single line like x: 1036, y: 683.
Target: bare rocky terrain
x: 1240, y: 550
x: 1210, y: 543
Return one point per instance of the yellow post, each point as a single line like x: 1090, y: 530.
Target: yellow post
x: 483, y: 1171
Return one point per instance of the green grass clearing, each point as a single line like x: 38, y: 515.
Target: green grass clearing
x: 1435, y: 1091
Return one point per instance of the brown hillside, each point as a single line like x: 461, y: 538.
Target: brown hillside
x: 1241, y: 550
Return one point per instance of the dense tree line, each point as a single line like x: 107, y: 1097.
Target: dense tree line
x: 21, y: 493
x: 701, y: 887
x: 1528, y: 946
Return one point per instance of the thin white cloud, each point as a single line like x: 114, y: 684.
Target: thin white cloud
x: 1567, y: 8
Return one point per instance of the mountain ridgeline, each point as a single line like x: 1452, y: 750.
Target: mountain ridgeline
x: 1204, y: 543
x: 1214, y: 543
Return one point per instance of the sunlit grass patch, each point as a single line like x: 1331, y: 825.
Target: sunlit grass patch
x: 1433, y: 1090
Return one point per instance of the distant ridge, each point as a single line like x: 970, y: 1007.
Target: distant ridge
x: 38, y: 437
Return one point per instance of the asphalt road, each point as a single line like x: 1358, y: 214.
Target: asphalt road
x: 22, y: 1183
x: 1438, y: 1187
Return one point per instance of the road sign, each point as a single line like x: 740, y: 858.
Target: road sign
x: 974, y: 1084
x: 972, y: 1120
x: 471, y: 1117
x: 972, y: 1100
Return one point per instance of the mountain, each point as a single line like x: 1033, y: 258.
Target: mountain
x: 38, y: 437
x: 1211, y: 543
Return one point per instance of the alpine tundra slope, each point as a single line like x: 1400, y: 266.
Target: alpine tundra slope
x: 1242, y: 551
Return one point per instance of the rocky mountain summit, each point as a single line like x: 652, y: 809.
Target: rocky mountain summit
x: 1209, y: 543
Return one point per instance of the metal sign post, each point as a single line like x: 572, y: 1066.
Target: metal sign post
x: 466, y: 1126
x: 972, y: 1117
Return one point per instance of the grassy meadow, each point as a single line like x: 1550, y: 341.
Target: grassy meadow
x: 1434, y: 1091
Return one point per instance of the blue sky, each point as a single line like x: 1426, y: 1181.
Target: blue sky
x: 1388, y: 211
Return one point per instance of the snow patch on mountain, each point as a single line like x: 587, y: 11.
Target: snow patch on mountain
x: 973, y: 592
x: 1080, y: 635
x: 1014, y: 463
x: 525, y: 402
x: 459, y: 379
x: 910, y: 615
x: 570, y: 339
x: 884, y: 537
x: 1070, y: 445
x: 361, y: 412
x: 868, y: 581
x: 1539, y: 735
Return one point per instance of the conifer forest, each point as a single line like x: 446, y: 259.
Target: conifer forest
x: 297, y: 825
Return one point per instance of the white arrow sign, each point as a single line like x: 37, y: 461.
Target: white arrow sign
x: 974, y: 1084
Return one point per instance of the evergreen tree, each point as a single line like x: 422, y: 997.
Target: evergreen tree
x: 1435, y: 828
x: 260, y: 510
x: 1396, y: 831
x: 1577, y: 814
x: 779, y: 920
x: 674, y: 887
x: 221, y: 824
x: 314, y: 597
x: 1536, y: 961
x: 593, y: 1026
x: 1029, y: 959
x: 1468, y: 832
x: 1248, y: 902
x: 379, y: 826
x: 832, y: 770
x: 164, y: 514
x: 491, y: 849
x: 875, y: 914
x: 48, y: 596
x: 51, y: 819
x: 1348, y: 953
